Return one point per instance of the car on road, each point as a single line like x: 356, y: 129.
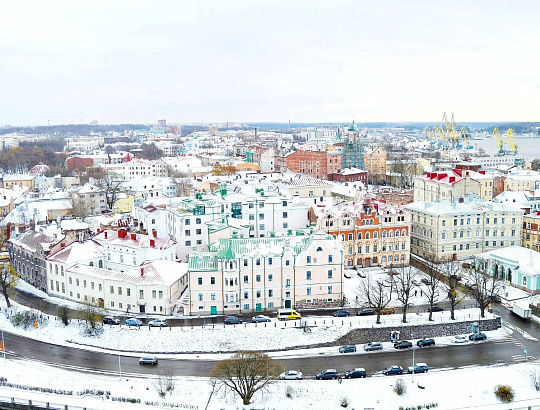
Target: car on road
x: 372, y: 346
x: 366, y: 312
x: 402, y: 344
x: 460, y: 339
x: 260, y: 318
x: 148, y: 360
x: 158, y: 323
x: 418, y: 368
x: 327, y: 374
x: 435, y: 309
x: 347, y: 349
x: 495, y: 298
x: 392, y: 370
x: 347, y: 275
x: 388, y: 311
x: 341, y: 313
x: 134, y: 322
x: 233, y: 320
x: 291, y: 375
x: 477, y: 336
x: 425, y: 281
x: 393, y: 272
x: 358, y: 373
x: 426, y: 342
x: 107, y: 320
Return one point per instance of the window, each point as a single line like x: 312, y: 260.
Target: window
x: 92, y: 285
x: 309, y: 259
x: 154, y: 294
x: 198, y: 221
x: 119, y: 290
x: 100, y: 287
x: 330, y: 258
x: 285, y: 215
x: 367, y: 248
x: 270, y: 293
x: 285, y: 225
x: 330, y: 289
x: 198, y: 231
x: 251, y: 217
x: 329, y: 273
x: 141, y: 294
x: 246, y: 295
x: 200, y: 297
x: 188, y: 222
x: 261, y: 227
x: 270, y: 277
x: 121, y: 258
x: 112, y: 289
x: 308, y: 275
x: 187, y: 232
x: 258, y: 262
x: 308, y: 291
x: 246, y: 279
x: 250, y: 206
x: 287, y: 283
x: 212, y: 280
x: 261, y: 205
x: 258, y: 294
x: 199, y: 281
x: 257, y: 278
x: 287, y: 262
x: 188, y: 243
x: 269, y: 261
x: 70, y: 281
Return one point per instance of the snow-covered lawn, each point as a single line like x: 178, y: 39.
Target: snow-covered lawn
x: 457, y: 389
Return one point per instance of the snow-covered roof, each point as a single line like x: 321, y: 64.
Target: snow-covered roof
x: 133, y: 240
x: 524, y: 259
x: 73, y: 225
x: 31, y: 241
x: 77, y: 252
x: 448, y: 208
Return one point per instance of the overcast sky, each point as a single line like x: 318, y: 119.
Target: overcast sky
x: 260, y: 60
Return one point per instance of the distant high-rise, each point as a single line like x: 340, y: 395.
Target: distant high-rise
x: 162, y: 123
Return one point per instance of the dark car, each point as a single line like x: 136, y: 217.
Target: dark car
x: 495, y: 298
x: 418, y: 368
x: 402, y: 344
x: 393, y: 370
x: 148, y: 360
x: 327, y: 374
x: 426, y: 342
x: 341, y: 313
x: 107, y: 320
x: 477, y: 336
x: 372, y: 346
x: 366, y: 312
x: 347, y: 349
x: 355, y: 373
x: 425, y: 281
x: 233, y: 320
x: 435, y: 309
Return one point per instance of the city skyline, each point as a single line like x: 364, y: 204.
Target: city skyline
x: 272, y: 61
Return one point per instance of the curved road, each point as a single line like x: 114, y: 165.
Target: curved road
x: 509, y: 350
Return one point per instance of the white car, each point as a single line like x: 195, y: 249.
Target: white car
x: 291, y: 375
x: 260, y: 318
x: 158, y: 323
x: 460, y: 339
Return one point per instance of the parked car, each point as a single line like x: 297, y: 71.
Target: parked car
x: 148, y: 360
x: 347, y: 349
x: 425, y: 281
x: 107, y: 320
x: 402, y: 344
x: 460, y: 339
x: 233, y: 320
x: 134, y: 322
x: 372, y: 346
x: 158, y: 323
x: 361, y: 274
x: 347, y: 275
x: 393, y: 272
x: 393, y: 370
x: 260, y: 318
x: 477, y: 336
x: 426, y: 342
x: 291, y: 375
x: 341, y: 313
x: 495, y: 298
x: 357, y: 373
x: 366, y: 312
x: 435, y: 309
x: 327, y: 374
x: 418, y: 368
x: 388, y: 311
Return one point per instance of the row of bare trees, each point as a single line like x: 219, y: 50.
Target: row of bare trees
x: 445, y: 279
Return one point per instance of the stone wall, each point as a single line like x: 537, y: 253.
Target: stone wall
x: 365, y: 335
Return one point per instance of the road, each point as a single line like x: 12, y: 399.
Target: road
x: 509, y: 350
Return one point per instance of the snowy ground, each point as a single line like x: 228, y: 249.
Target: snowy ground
x: 457, y: 389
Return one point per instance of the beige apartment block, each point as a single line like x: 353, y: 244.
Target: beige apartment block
x: 298, y: 269
x: 450, y: 230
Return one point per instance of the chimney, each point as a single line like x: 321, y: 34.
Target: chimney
x: 154, y: 232
x: 152, y: 243
x: 105, y: 234
x: 63, y: 245
x: 133, y: 236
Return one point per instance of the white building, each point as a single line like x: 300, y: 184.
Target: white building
x: 526, y: 200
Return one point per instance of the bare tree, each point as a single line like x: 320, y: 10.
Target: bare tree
x: 375, y: 293
x: 482, y: 285
x: 246, y: 373
x: 80, y: 206
x: 432, y: 287
x: 451, y: 271
x: 403, y: 284
x: 112, y: 188
x: 8, y: 281
x: 91, y: 314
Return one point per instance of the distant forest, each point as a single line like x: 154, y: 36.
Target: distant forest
x: 74, y: 129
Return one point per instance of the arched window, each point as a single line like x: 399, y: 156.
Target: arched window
x: 91, y: 263
x: 101, y: 264
x: 383, y: 259
x: 319, y: 249
x: 56, y: 269
x: 397, y: 232
x: 343, y: 237
x: 334, y: 236
x: 367, y: 235
x: 375, y: 235
x: 396, y: 258
x: 350, y: 250
x: 359, y: 235
x: 350, y: 237
x: 391, y: 234
x: 524, y: 280
x: 384, y: 234
x: 403, y: 232
x: 402, y: 256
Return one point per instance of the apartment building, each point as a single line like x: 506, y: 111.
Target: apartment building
x: 375, y: 162
x: 459, y: 230
x: 372, y: 233
x: 244, y: 275
x: 140, y: 167
x: 529, y: 201
x: 531, y: 231
x: 451, y: 185
x: 90, y: 198
x: 317, y: 164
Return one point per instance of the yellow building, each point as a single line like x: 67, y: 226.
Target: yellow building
x: 531, y: 232
x: 27, y: 181
x: 375, y: 162
x: 123, y: 205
